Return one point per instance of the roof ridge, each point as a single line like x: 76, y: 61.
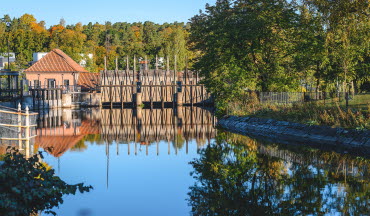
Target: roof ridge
x: 56, y: 61
x: 64, y: 58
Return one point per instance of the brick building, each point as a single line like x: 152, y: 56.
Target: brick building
x: 57, y: 69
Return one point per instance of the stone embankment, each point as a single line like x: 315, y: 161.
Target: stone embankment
x: 288, y: 132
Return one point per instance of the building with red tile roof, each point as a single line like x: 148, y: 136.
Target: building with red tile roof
x: 57, y: 68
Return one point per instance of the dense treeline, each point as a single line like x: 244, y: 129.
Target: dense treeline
x: 238, y: 45
x: 282, y: 45
x: 26, y: 35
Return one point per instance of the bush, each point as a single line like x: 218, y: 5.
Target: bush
x: 28, y: 186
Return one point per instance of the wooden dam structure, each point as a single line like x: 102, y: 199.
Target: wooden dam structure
x: 151, y: 87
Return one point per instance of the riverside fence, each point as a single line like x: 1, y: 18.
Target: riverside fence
x: 281, y: 98
x: 18, y: 128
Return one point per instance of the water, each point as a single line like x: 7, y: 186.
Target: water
x: 166, y: 162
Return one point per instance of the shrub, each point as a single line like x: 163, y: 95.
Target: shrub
x: 27, y: 186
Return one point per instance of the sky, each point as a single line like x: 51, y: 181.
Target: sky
x: 74, y: 11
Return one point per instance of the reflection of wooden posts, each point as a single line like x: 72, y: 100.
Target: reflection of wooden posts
x: 187, y: 146
x: 175, y: 130
x: 180, y: 114
x: 139, y: 116
x: 27, y: 132
x: 147, y: 147
x: 19, y: 127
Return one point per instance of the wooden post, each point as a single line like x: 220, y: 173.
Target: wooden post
x: 27, y: 132
x: 19, y: 127
x: 175, y: 70
x: 110, y: 94
x: 162, y: 94
x: 127, y: 69
x: 174, y: 82
x: 167, y: 69
x: 134, y: 72
x: 151, y: 94
x: 105, y: 63
x: 116, y: 64
x: 138, y: 95
x: 179, y: 94
x: 156, y: 76
x: 121, y: 94
x: 186, y: 69
x: 191, y: 93
x: 146, y: 65
x: 132, y: 93
x: 156, y: 65
x: 203, y: 102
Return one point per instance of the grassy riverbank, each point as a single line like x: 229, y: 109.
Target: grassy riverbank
x: 331, y: 113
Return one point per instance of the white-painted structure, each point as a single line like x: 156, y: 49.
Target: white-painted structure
x: 4, y: 59
x: 38, y: 55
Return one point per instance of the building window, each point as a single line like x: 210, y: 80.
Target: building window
x: 51, y: 83
x: 36, y: 83
x: 66, y: 83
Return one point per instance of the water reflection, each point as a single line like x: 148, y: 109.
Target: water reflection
x: 236, y: 175
x: 232, y: 174
x: 62, y: 130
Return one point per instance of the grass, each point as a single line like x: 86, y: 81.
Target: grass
x: 330, y: 113
x: 358, y: 102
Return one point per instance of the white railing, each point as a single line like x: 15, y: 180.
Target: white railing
x: 18, y: 125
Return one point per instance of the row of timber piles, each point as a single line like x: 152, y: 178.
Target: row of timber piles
x: 152, y: 87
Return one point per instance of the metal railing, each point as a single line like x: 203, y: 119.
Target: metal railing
x: 18, y: 126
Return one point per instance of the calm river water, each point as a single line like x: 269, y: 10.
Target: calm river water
x: 175, y: 162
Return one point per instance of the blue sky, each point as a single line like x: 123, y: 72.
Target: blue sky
x: 74, y: 11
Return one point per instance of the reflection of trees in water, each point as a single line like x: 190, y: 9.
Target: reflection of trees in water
x: 82, y: 144
x: 234, y: 178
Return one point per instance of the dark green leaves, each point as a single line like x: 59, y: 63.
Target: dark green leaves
x: 27, y: 186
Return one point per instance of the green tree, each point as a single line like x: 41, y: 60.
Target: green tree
x: 29, y: 186
x: 245, y: 45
